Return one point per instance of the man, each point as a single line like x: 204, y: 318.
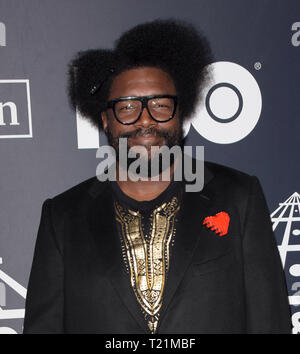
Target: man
x: 147, y: 256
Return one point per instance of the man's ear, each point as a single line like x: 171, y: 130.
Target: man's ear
x: 104, y: 120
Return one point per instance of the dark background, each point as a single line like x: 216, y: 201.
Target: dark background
x: 43, y: 35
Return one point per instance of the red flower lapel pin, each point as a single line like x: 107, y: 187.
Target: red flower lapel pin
x: 218, y: 223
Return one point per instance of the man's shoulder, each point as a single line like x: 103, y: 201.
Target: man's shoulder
x: 228, y: 179
x: 227, y: 172
x: 89, y: 189
x: 220, y: 170
x: 78, y: 195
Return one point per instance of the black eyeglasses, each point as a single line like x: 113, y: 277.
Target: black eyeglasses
x: 128, y: 110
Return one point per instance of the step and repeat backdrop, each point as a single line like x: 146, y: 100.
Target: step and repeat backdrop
x: 250, y: 119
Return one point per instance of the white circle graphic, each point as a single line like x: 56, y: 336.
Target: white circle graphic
x: 295, y: 270
x: 232, y: 104
x: 186, y: 127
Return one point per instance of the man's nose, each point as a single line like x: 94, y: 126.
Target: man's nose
x: 145, y: 119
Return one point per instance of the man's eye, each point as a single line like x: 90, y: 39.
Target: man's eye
x: 127, y: 107
x: 159, y: 105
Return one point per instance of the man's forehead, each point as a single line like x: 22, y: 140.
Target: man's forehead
x: 138, y: 80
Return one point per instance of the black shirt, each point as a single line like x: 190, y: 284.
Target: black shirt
x: 146, y: 230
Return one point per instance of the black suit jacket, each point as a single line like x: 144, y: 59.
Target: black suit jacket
x: 216, y: 284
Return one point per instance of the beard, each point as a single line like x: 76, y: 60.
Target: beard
x: 171, y: 139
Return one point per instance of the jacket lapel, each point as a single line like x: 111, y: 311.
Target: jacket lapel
x: 195, y: 207
x: 109, y: 253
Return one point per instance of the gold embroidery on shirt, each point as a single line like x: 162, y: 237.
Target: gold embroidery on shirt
x: 148, y: 258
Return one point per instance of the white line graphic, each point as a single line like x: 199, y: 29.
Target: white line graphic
x: 288, y: 212
x: 18, y: 288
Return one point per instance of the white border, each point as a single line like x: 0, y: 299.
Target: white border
x: 26, y: 81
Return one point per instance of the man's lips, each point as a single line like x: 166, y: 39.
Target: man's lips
x: 146, y: 137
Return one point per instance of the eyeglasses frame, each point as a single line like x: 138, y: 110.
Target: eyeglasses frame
x: 144, y: 99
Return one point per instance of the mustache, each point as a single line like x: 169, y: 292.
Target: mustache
x: 144, y: 132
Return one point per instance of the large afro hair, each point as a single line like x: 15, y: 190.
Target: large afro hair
x: 174, y: 46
